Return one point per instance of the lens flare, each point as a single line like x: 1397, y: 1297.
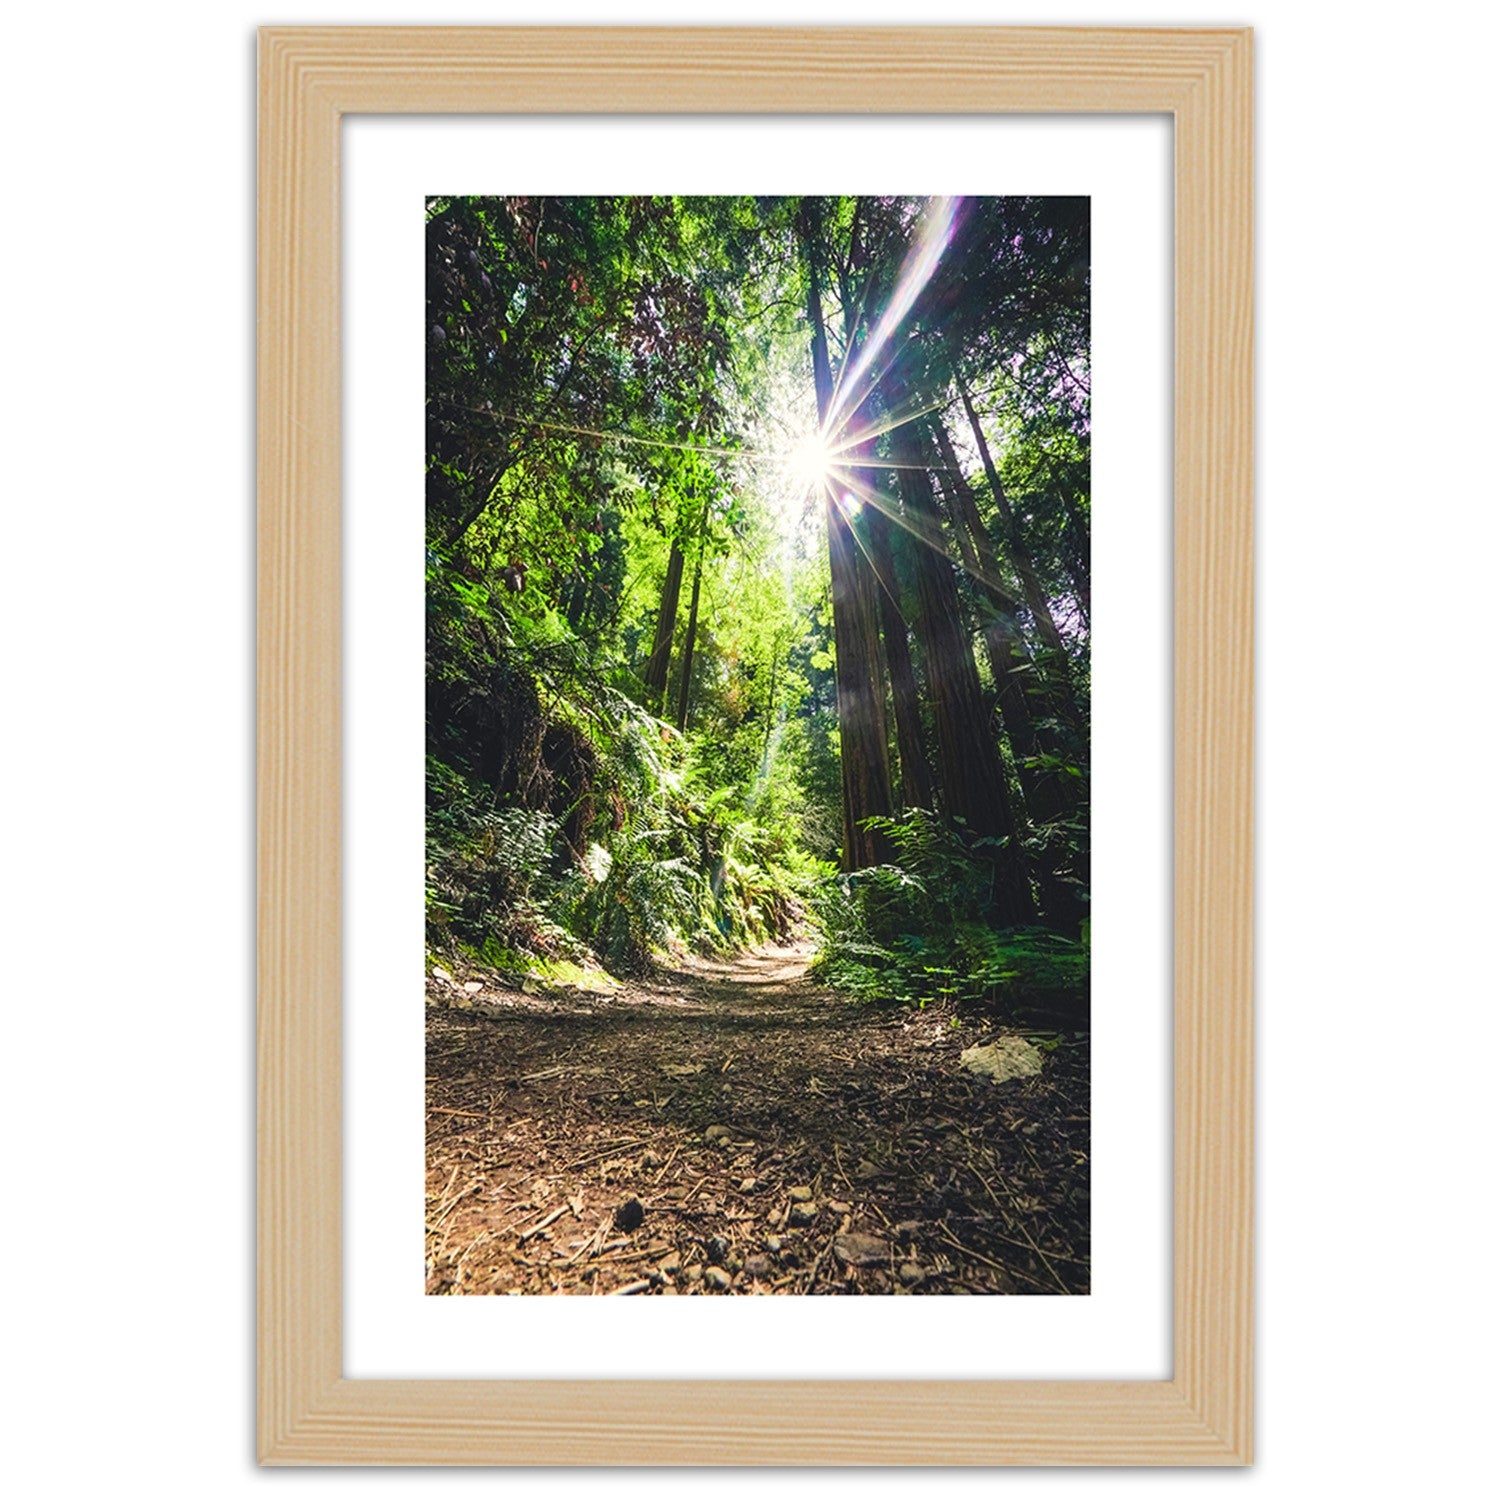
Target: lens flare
x: 810, y: 462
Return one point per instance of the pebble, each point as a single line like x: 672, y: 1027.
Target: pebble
x: 861, y: 1250
x: 748, y: 1185
x: 443, y: 974
x: 773, y: 1243
x: 473, y: 987
x: 759, y: 1267
x: 717, y: 1278
x: 800, y: 1195
x: 837, y: 1206
x: 693, y: 1274
x: 671, y: 1264
x: 866, y: 1170
x: 803, y: 1213
x: 909, y: 1272
x: 630, y: 1215
x: 716, y: 1133
x: 718, y: 1248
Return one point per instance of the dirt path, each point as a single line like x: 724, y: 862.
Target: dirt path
x: 731, y: 1127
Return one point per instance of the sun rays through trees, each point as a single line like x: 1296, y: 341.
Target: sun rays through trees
x: 757, y: 580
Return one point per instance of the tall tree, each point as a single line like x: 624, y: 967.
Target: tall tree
x: 1020, y: 553
x: 911, y: 749
x: 685, y: 688
x: 654, y: 674
x: 856, y: 633
x: 969, y: 770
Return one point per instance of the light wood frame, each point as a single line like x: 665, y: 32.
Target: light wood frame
x: 308, y: 1412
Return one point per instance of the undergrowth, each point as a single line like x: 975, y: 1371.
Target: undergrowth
x: 916, y: 930
x: 583, y: 830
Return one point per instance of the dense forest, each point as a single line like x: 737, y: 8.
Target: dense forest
x: 757, y: 595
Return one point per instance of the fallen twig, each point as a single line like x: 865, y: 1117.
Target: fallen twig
x: 551, y: 1218
x: 588, y: 1161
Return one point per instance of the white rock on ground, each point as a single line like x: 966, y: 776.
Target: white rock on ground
x: 1001, y: 1061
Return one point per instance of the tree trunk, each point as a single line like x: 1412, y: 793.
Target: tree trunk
x: 655, y: 675
x: 968, y: 763
x: 1050, y: 792
x: 685, y: 688
x: 1004, y: 643
x: 1076, y: 554
x: 856, y: 634
x: 916, y: 776
x: 1020, y: 554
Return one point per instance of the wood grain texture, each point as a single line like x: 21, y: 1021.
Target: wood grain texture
x: 307, y: 1412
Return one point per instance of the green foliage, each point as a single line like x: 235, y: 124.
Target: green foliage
x: 609, y: 381
x: 914, y: 931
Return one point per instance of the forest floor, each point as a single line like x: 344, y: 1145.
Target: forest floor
x: 729, y: 1126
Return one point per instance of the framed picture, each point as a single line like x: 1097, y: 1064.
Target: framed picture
x: 884, y: 473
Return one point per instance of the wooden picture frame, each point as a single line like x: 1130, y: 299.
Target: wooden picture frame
x: 309, y: 1413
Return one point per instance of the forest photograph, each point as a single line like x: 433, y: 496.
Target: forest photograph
x: 757, y: 746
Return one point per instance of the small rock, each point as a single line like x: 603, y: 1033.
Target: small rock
x: 718, y: 1250
x: 803, y: 1213
x: 800, y: 1195
x: 668, y: 1291
x: 716, y: 1133
x: 734, y: 1265
x: 473, y: 987
x: 1008, y: 1058
x: 717, y: 1278
x: 670, y: 1264
x: 837, y: 1206
x: 692, y: 1274
x: 650, y: 1159
x: 909, y: 1272
x: 439, y: 972
x: 630, y: 1215
x: 866, y: 1170
x: 773, y: 1243
x: 747, y: 1185
x: 861, y: 1250
x: 759, y: 1267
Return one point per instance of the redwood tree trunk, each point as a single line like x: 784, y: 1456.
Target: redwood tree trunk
x: 856, y: 634
x: 968, y: 762
x: 916, y: 776
x: 1004, y: 644
x: 1050, y: 791
x: 1020, y: 554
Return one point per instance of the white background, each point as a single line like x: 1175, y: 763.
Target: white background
x: 128, y: 1096
x: 1123, y: 1329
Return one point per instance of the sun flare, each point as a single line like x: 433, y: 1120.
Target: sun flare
x: 810, y: 462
